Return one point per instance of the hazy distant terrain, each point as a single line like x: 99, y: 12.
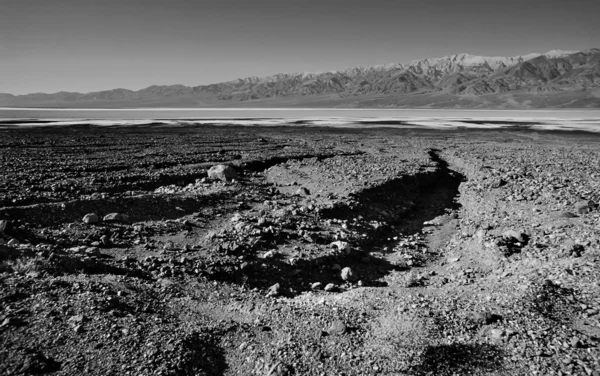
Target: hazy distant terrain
x: 556, y: 79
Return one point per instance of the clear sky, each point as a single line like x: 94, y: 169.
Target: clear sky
x: 84, y: 45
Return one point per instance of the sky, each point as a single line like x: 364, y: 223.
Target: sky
x: 84, y: 45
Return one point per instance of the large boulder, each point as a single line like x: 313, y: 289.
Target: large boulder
x: 222, y: 172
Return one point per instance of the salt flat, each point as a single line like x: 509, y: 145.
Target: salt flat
x: 579, y: 120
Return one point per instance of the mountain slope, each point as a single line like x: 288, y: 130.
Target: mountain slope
x: 461, y: 79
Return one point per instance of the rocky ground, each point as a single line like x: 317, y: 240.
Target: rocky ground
x: 304, y: 251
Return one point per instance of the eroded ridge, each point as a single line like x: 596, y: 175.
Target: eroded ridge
x: 354, y: 252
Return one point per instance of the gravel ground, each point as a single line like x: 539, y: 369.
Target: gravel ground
x: 309, y: 251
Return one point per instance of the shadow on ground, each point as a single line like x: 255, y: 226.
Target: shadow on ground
x: 459, y: 359
x: 28, y: 261
x: 406, y: 203
x: 201, y: 354
x: 552, y: 301
x: 296, y: 278
x: 138, y: 208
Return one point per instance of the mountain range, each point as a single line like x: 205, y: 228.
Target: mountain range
x: 556, y: 79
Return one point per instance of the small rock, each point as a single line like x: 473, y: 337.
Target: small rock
x: 496, y: 334
x: 91, y: 218
x: 485, y: 318
x: 330, y: 287
x: 33, y: 274
x: 302, y: 191
x: 340, y: 245
x: 3, y: 225
x: 78, y: 328
x: 92, y: 251
x: 274, y: 290
x: 13, y: 242
x: 497, y: 183
x: 316, y: 285
x: 511, y: 332
x: 105, y: 240
x: 77, y: 319
x: 582, y: 207
x: 269, y: 254
x: 482, y: 318
x: 514, y: 235
x: 278, y: 369
x: 222, y: 172
x: 348, y: 275
x: 116, y: 217
x: 337, y: 327
x: 575, y: 342
x: 12, y: 321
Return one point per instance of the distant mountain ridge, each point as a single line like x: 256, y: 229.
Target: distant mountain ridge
x: 553, y: 79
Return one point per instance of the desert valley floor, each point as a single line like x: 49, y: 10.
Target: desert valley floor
x: 318, y: 251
